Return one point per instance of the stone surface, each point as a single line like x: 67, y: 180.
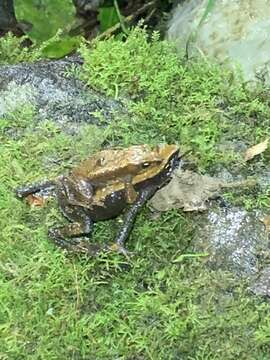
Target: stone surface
x: 261, y: 285
x: 237, y: 241
x: 54, y: 94
x: 234, y: 31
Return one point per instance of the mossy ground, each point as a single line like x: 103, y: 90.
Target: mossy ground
x: 57, y: 306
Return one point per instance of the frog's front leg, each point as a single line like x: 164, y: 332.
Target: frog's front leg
x: 130, y: 217
x: 131, y: 194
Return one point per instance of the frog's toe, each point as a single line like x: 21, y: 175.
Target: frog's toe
x: 120, y: 249
x: 74, y: 245
x: 95, y: 249
x: 56, y: 236
x: 89, y: 249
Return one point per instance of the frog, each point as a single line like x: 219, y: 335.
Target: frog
x: 108, y: 183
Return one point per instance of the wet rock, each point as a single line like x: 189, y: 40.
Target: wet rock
x: 54, y: 94
x: 262, y: 284
x: 264, y: 179
x: 237, y: 241
x: 233, y: 32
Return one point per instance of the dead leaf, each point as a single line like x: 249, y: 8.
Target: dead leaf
x: 36, y: 201
x: 266, y: 221
x: 256, y: 150
x: 191, y: 192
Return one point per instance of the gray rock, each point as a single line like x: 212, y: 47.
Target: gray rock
x: 237, y: 241
x: 55, y: 96
x: 261, y: 285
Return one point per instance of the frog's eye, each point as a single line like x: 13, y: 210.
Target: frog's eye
x: 145, y: 165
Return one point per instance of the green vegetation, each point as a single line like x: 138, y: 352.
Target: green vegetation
x: 57, y: 306
x: 12, y: 50
x: 193, y: 103
x: 47, y: 41
x: 40, y: 13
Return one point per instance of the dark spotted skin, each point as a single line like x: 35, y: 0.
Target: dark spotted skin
x: 82, y: 218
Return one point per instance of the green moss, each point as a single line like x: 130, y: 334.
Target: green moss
x: 194, y: 103
x: 13, y: 51
x: 55, y: 306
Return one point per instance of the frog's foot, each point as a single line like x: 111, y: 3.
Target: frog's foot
x: 58, y: 239
x: 69, y: 237
x: 83, y: 246
x: 120, y: 249
x: 74, y: 244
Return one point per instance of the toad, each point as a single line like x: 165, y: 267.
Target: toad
x: 103, y: 186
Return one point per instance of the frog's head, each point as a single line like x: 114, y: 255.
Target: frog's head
x: 140, y: 161
x: 160, y: 160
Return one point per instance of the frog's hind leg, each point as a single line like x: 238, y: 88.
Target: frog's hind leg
x: 26, y: 190
x: 69, y: 236
x: 72, y: 243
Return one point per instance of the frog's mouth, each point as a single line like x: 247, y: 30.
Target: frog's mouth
x: 175, y: 161
x: 170, y: 156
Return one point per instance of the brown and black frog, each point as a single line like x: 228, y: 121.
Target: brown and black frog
x: 103, y: 186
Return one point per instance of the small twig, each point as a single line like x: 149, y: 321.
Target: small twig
x: 78, y: 296
x: 148, y: 17
x: 246, y: 183
x: 127, y: 19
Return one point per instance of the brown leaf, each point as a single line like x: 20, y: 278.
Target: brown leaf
x: 256, y: 150
x: 36, y: 201
x: 266, y: 221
